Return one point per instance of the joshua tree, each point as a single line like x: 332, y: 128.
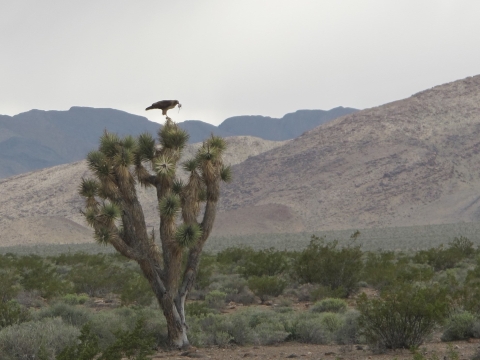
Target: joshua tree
x: 186, y: 210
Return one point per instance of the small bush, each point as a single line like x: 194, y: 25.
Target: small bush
x: 459, y: 327
x: 70, y: 314
x: 266, y: 286
x: 268, y: 262
x: 403, y: 317
x: 75, y: 299
x: 136, y: 290
x: 325, y: 264
x: 349, y: 332
x: 330, y: 305
x: 36, y: 339
x: 86, y: 348
x: 12, y: 313
x: 197, y: 308
x: 306, y: 328
x: 215, y: 299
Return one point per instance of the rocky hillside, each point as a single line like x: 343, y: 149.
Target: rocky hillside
x: 410, y: 162
x: 43, y: 206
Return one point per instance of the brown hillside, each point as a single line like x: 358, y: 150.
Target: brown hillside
x: 410, y: 162
x: 43, y: 206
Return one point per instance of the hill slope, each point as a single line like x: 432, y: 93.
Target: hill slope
x: 409, y: 162
x: 43, y: 206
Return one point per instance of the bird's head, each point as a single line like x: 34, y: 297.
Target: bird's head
x: 179, y: 105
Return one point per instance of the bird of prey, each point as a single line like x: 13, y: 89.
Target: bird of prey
x: 165, y: 105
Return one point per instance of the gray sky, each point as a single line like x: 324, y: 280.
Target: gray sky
x: 223, y: 58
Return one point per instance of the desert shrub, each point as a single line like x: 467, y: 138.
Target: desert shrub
x: 325, y: 264
x: 36, y: 339
x: 75, y: 299
x: 83, y: 258
x: 99, y: 280
x: 9, y: 284
x: 349, y: 332
x: 268, y: 262
x: 136, y: 290
x: 12, y: 313
x: 106, y: 324
x: 306, y: 328
x: 469, y: 294
x: 463, y: 245
x: 197, y: 308
x: 205, y: 271
x: 459, y: 326
x: 234, y: 255
x: 131, y: 344
x: 403, y: 316
x: 441, y: 258
x: 85, y: 349
x: 235, y: 288
x: 330, y: 305
x: 266, y: 286
x: 268, y: 333
x: 215, y: 299
x: 70, y: 314
x: 40, y: 275
x: 209, y: 330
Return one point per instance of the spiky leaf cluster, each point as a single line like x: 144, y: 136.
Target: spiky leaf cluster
x: 173, y: 137
x: 164, y: 167
x: 169, y: 205
x: 188, y: 234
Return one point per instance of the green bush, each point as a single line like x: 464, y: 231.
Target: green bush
x: 330, y: 305
x: 215, y: 299
x: 85, y: 349
x: 268, y: 262
x: 403, y: 316
x: 349, y: 332
x: 70, y: 314
x: 40, y: 275
x: 75, y: 299
x: 197, y: 308
x: 440, y: 258
x: 12, y: 313
x: 325, y: 264
x: 459, y: 326
x: 9, y: 284
x: 136, y: 290
x: 266, y: 286
x: 307, y: 328
x: 36, y: 339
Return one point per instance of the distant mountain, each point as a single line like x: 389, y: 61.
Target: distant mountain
x: 290, y: 126
x: 38, y: 139
x: 200, y: 130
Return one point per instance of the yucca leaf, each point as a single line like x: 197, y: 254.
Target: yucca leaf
x: 187, y: 235
x: 102, y: 236
x: 177, y: 186
x: 146, y: 147
x: 169, y: 205
x: 164, y: 166
x: 226, y: 174
x: 190, y: 165
x: 88, y: 188
x: 110, y: 211
x: 109, y: 144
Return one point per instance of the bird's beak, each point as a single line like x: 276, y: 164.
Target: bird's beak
x: 179, y: 106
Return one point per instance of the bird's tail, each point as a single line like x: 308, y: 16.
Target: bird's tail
x: 149, y: 108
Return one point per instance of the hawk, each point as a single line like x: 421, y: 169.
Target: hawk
x: 165, y: 105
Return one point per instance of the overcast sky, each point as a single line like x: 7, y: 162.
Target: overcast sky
x: 222, y: 58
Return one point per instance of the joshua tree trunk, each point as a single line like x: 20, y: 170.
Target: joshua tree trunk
x: 113, y: 210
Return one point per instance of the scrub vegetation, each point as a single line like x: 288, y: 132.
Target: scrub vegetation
x: 86, y: 306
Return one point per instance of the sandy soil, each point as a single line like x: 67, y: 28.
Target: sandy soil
x: 462, y: 349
